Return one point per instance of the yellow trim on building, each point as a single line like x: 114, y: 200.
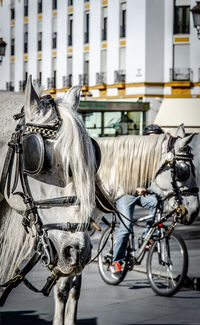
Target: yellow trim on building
x: 54, y: 53
x: 54, y: 13
x: 87, y: 6
x: 123, y: 42
x: 70, y: 9
x: 181, y: 39
x: 25, y: 57
x: 86, y: 48
x: 12, y: 59
x: 39, y: 16
x: 70, y: 50
x: 25, y: 19
x: 39, y: 55
x: 178, y: 84
x: 104, y: 2
x: 12, y: 22
x: 104, y: 45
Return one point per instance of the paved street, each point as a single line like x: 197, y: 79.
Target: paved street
x: 132, y: 302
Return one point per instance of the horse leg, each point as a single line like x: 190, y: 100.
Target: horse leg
x: 66, y: 295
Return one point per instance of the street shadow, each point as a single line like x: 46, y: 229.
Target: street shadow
x: 88, y: 321
x: 136, y: 284
x: 21, y: 318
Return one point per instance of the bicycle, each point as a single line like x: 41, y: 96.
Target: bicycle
x: 167, y: 259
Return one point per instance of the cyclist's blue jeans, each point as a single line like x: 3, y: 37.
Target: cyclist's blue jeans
x: 126, y: 206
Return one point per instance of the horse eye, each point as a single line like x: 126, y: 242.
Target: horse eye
x: 182, y: 171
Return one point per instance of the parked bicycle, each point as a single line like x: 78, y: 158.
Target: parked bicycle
x: 165, y: 251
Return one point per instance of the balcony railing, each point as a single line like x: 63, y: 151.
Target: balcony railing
x: 100, y: 78
x: 119, y: 76
x: 67, y: 81
x: 22, y: 85
x: 83, y: 79
x: 37, y: 82
x: 51, y: 83
x: 181, y: 74
x: 10, y: 86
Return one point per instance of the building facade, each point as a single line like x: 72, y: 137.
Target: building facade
x: 118, y: 50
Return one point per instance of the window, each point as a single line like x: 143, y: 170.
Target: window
x: 12, y: 13
x: 39, y: 6
x: 123, y: 19
x: 104, y: 24
x: 39, y: 73
x: 25, y: 38
x: 70, y: 29
x: 70, y: 2
x: 86, y: 26
x: 54, y: 4
x: 25, y: 8
x: 12, y: 49
x: 40, y: 41
x: 181, y: 20
x: 54, y: 40
x: 12, y: 9
x: 12, y: 42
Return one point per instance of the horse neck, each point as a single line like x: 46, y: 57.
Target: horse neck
x: 128, y: 162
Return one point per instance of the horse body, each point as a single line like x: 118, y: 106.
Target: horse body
x: 126, y: 163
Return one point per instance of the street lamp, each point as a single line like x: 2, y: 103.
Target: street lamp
x: 2, y: 49
x: 196, y: 17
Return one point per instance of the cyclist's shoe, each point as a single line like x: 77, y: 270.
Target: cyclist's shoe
x: 116, y: 270
x: 148, y: 245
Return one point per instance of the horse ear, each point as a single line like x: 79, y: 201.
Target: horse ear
x: 72, y: 97
x: 32, y: 100
x: 182, y: 143
x: 180, y: 132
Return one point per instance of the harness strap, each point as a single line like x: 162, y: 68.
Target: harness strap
x: 68, y: 226
x: 7, y: 168
x: 19, y: 277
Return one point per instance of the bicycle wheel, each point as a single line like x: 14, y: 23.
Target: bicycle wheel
x: 167, y: 265
x: 105, y: 258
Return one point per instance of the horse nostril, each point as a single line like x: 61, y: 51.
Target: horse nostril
x: 71, y: 255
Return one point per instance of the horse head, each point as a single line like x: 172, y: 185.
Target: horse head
x: 175, y: 179
x: 58, y: 163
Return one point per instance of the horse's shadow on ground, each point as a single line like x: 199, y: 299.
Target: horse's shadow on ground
x: 21, y: 318
x: 89, y: 321
x: 136, y: 284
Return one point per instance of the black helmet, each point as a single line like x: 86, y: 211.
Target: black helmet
x: 152, y: 128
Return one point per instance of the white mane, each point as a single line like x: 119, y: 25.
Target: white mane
x: 129, y: 162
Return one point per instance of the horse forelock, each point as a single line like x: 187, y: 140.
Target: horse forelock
x: 129, y: 162
x: 77, y: 156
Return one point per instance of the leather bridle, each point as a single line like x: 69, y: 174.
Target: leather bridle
x: 171, y: 160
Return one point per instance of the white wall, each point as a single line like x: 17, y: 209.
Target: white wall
x: 135, y: 41
x: 95, y: 40
x: 154, y: 41
x: 78, y: 34
x: 113, y: 40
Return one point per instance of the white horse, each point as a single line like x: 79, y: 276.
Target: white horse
x: 128, y: 162
x: 68, y: 169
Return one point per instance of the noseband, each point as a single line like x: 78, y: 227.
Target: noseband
x: 172, y: 158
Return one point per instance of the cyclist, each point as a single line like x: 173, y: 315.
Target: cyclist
x: 126, y: 206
